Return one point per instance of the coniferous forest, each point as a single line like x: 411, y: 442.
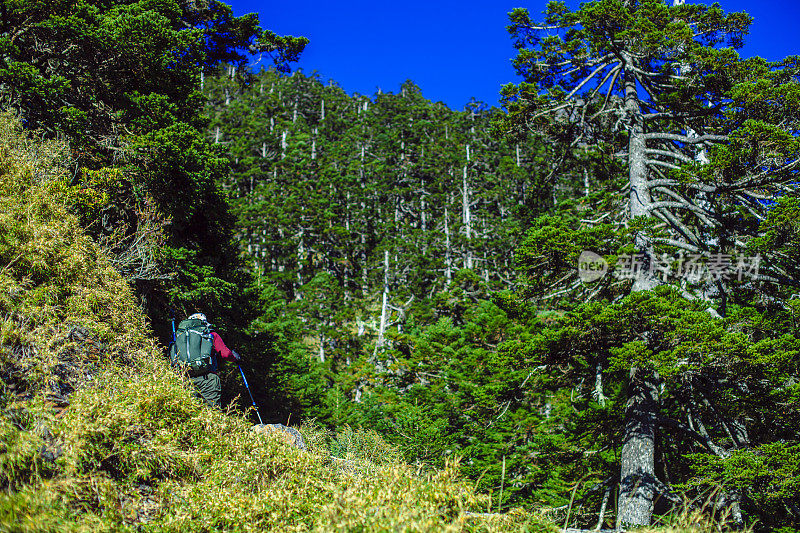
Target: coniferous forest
x: 584, y: 303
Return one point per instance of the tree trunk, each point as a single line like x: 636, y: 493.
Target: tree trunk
x: 602, y: 516
x: 423, y: 214
x: 467, y: 215
x: 640, y: 200
x: 585, y: 182
x: 637, y: 469
x: 638, y: 484
x: 598, y: 386
x: 448, y: 263
x: 384, y: 303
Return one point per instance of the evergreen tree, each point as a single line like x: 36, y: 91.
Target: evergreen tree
x: 331, y: 183
x: 652, y: 83
x: 126, y: 93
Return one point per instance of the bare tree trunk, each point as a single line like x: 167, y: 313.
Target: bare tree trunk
x: 637, y: 476
x: 598, y: 386
x: 448, y: 262
x: 638, y: 484
x: 384, y: 304
x: 423, y: 213
x: 364, y: 271
x: 467, y: 214
x: 585, y: 182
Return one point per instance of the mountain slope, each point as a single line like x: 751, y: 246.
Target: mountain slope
x: 97, y: 433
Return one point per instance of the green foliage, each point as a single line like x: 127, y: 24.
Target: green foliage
x: 128, y: 447
x: 127, y: 95
x: 553, y: 246
x: 326, y: 182
x: 135, y: 63
x: 709, y: 145
x: 308, y: 224
x: 285, y: 381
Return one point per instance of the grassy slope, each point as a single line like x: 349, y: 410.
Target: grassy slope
x: 96, y: 432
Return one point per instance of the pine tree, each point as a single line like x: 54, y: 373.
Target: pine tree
x: 652, y: 83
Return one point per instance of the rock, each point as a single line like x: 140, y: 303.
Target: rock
x: 287, y: 434
x: 50, y: 454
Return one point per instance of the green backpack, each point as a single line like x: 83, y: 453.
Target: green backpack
x: 193, y: 347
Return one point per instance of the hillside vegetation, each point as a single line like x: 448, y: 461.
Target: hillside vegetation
x: 98, y: 433
x: 584, y: 303
x: 354, y: 214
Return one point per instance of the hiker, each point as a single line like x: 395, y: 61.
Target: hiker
x: 196, y: 349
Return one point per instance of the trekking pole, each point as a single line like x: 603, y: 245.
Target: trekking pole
x: 250, y: 393
x: 174, y: 337
x: 172, y: 316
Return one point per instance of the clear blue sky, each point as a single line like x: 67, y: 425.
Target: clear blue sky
x: 452, y: 50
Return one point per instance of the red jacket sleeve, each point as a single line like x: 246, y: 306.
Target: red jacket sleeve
x: 220, y: 347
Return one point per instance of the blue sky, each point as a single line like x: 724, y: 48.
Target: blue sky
x: 452, y: 50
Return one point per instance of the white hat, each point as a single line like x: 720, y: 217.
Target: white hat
x: 198, y: 316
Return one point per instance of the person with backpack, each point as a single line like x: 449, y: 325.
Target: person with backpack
x: 196, y: 350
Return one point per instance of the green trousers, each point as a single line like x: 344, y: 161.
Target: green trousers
x: 208, y: 388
